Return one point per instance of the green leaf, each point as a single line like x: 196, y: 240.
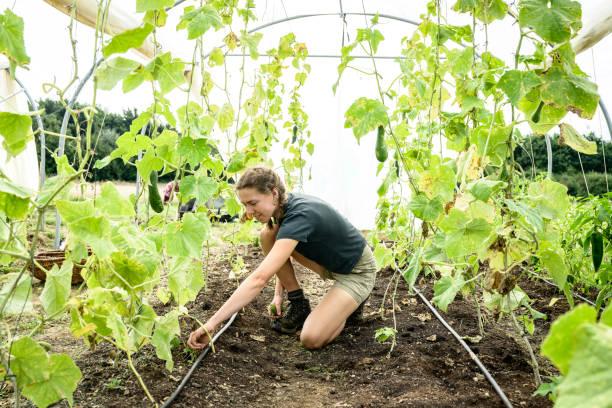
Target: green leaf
x: 110, y: 72
x: 193, y: 150
x: 167, y: 71
x: 113, y: 204
x: 570, y: 92
x: 199, y: 21
x: 492, y: 142
x: 587, y: 384
x: 186, y: 238
x: 133, y: 270
x: 438, y: 181
x: 149, y: 162
x: 16, y: 131
x: 446, y: 289
x: 553, y: 261
x: 232, y: 206
x: 426, y: 209
x: 14, y: 200
x: 483, y: 189
x: 200, y: 187
x: 414, y: 268
x: 44, y: 379
x: 142, y: 326
x: 185, y: 280
x: 531, y: 215
x: 464, y: 235
x: 553, y: 20
x: 251, y: 41
x: 166, y: 329
x: 561, y: 342
x: 570, y: 137
x: 133, y: 38
x: 460, y: 61
x: 549, y: 198
x: 11, y: 39
x: 87, y: 226
x: 374, y: 37
x: 383, y: 256
x: 225, y: 117
x: 148, y: 5
x: 19, y: 298
x: 365, y: 115
x: 237, y: 163
x: 216, y: 57
x: 488, y: 11
x: 516, y: 84
x: 57, y: 288
x: 465, y: 6
x: 606, y: 316
x: 120, y: 332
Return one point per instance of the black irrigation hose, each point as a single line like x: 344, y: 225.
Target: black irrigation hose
x: 590, y: 302
x: 484, y: 370
x: 195, y: 365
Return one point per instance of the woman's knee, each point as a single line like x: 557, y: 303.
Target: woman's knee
x: 267, y: 237
x: 311, y: 341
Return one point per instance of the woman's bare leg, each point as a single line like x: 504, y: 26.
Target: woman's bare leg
x: 327, y: 320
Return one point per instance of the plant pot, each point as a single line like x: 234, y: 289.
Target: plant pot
x: 56, y: 257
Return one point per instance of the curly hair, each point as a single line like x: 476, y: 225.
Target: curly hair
x: 264, y: 180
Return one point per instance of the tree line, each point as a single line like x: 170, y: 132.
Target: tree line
x: 530, y: 155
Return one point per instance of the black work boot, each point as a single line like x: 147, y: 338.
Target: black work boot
x: 297, y: 312
x: 357, y: 316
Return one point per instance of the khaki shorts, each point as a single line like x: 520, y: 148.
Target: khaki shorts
x: 360, y: 282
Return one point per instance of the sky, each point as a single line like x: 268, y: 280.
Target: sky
x: 351, y: 188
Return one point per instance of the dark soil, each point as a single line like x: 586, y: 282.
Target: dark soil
x: 254, y: 366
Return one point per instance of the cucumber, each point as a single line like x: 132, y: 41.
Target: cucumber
x: 536, y: 115
x: 154, y: 199
x: 596, y: 249
x: 381, y: 147
x: 295, y: 131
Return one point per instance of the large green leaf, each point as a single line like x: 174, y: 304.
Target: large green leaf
x: 186, y: 238
x: 19, y: 298
x: 251, y: 41
x: 185, y: 280
x: 365, y: 115
x: 530, y: 215
x: 438, y: 181
x: 113, y: 204
x: 133, y: 270
x: 464, y: 235
x: 149, y: 162
x: 587, y: 383
x: 562, y: 340
x: 110, y: 72
x: 549, y: 198
x: 167, y: 71
x: 193, y: 150
x: 516, y: 84
x: 570, y: 92
x: 57, y: 288
x: 426, y: 209
x: 483, y: 189
x: 120, y: 333
x: 570, y: 137
x: 126, y: 40
x: 553, y: 261
x: 149, y: 5
x: 488, y: 11
x: 446, y: 289
x: 86, y: 225
x: 44, y: 379
x: 14, y: 200
x: 553, y: 20
x: 199, y: 21
x: 142, y: 326
x: 225, y: 117
x: 411, y: 273
x: 200, y: 187
x: 16, y: 131
x: 492, y: 142
x: 11, y: 39
x: 166, y: 329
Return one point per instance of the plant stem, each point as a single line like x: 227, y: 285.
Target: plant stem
x: 534, y: 362
x: 140, y: 381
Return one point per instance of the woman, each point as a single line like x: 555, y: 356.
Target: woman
x: 309, y: 231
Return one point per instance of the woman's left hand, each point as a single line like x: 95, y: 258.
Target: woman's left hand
x: 199, y: 338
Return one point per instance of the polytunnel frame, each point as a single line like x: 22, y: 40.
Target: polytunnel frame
x: 342, y: 14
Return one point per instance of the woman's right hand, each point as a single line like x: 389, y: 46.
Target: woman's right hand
x: 275, y: 309
x: 199, y: 338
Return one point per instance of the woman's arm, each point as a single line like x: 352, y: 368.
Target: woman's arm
x: 247, y: 291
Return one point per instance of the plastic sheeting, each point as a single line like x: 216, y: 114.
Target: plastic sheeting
x: 23, y: 168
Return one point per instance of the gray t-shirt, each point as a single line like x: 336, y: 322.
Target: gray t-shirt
x: 323, y: 234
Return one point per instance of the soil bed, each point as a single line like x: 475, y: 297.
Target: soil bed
x: 254, y: 366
